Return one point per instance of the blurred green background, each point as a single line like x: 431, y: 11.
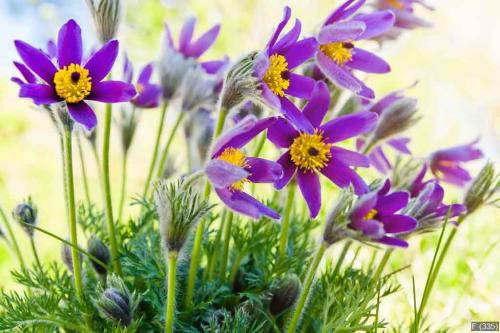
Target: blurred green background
x: 457, y: 64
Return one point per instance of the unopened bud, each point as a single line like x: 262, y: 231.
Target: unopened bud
x: 106, y: 14
x: 127, y: 123
x: 482, y: 188
x: 173, y: 66
x: 101, y: 252
x: 197, y: 89
x: 26, y: 215
x: 284, y: 294
x: 116, y: 303
x: 337, y: 219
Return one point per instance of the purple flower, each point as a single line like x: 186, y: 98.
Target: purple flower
x: 338, y: 56
x: 230, y: 169
x: 311, y: 152
x: 148, y: 94
x: 71, y: 82
x: 375, y: 216
x: 446, y: 164
x: 405, y: 16
x: 195, y: 49
x: 275, y: 64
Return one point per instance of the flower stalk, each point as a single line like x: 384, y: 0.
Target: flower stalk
x: 164, y: 155
x: 285, y: 224
x: 84, y: 171
x: 225, y: 248
x: 12, y: 238
x: 170, y: 309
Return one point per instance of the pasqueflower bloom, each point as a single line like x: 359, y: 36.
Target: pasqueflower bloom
x: 27, y: 75
x: 313, y: 151
x: 338, y: 55
x: 404, y: 10
x: 375, y: 215
x: 148, y: 94
x: 230, y: 169
x: 275, y: 64
x: 446, y: 164
x: 73, y: 82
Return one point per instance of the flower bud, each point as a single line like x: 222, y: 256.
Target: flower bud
x: 284, y: 294
x: 179, y: 209
x: 173, y: 66
x: 116, y: 303
x: 127, y: 123
x: 197, y: 89
x: 483, y: 187
x: 106, y: 14
x: 26, y: 215
x: 337, y: 219
x: 101, y: 252
x: 240, y: 84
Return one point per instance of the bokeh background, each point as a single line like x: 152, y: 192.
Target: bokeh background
x: 457, y: 65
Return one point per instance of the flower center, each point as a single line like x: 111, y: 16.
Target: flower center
x: 371, y: 214
x: 398, y: 4
x: 338, y: 52
x: 235, y: 157
x: 73, y: 83
x: 276, y: 76
x: 309, y: 152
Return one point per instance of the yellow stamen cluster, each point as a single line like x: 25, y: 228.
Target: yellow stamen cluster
x: 276, y: 76
x: 371, y: 214
x: 309, y: 152
x: 235, y: 157
x: 398, y: 4
x: 73, y: 83
x: 338, y: 52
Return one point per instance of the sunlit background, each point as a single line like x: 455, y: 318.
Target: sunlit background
x: 456, y: 64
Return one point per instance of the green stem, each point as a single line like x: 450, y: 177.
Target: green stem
x: 84, y: 171
x: 124, y: 185
x: 107, y: 191
x: 154, y: 158
x: 170, y: 307
x: 164, y: 155
x: 72, y: 213
x: 13, y: 238
x: 225, y: 248
x: 306, y: 288
x: 285, y: 224
x: 236, y: 266
x: 341, y: 259
x: 99, y: 166
x: 213, y: 258
x: 35, y: 252
x: 195, y: 256
x: 381, y: 266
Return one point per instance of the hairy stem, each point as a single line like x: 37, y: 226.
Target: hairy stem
x: 164, y: 155
x: 124, y: 185
x: 225, y: 247
x: 285, y: 224
x: 170, y: 309
x: 35, y: 253
x: 84, y: 171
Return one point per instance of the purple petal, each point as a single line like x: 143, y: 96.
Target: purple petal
x: 384, y: 189
x: 245, y: 204
x: 25, y: 72
x: 341, y: 32
x: 213, y: 66
x: 454, y: 175
x: 286, y: 16
x: 311, y: 191
x: 451, y: 211
x: 263, y: 171
x: 385, y: 102
x: 112, y: 92
x: 392, y: 203
x: 318, y: 105
x: 350, y: 158
x: 149, y: 97
x: 392, y: 241
x: 295, y: 116
x: 270, y: 98
x: 51, y: 49
x: 83, y: 114
x: 371, y: 228
x: 261, y: 65
x: 342, y: 77
x: 344, y: 176
x: 300, y: 86
x: 395, y: 224
x: 40, y: 93
x: 242, y: 133
x: 203, y: 43
x: 363, y: 206
x: 289, y: 38
x: 69, y: 44
x: 168, y: 35
x: 223, y: 174
x: 376, y: 23
x: 288, y: 168
x: 17, y: 80
x: 379, y: 160
x: 408, y: 20
x: 145, y: 74
x: 282, y: 133
x: 463, y: 153
x: 367, y: 62
x: 37, y: 61
x: 400, y: 144
x: 186, y: 34
x: 345, y: 10
x: 348, y: 126
x: 101, y: 62
x: 300, y: 52
x: 128, y: 70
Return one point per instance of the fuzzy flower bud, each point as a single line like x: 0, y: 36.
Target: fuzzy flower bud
x: 179, y: 209
x: 197, y: 89
x: 173, y: 66
x: 127, y: 123
x: 284, y: 294
x: 482, y: 188
x: 26, y: 215
x: 337, y: 219
x: 101, y: 252
x: 117, y: 303
x: 106, y: 14
x: 240, y: 84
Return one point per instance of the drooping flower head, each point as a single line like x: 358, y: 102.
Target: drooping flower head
x: 71, y: 81
x: 446, y: 164
x: 375, y: 214
x: 338, y: 54
x: 313, y: 151
x: 230, y: 168
x: 275, y: 64
x: 148, y: 94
